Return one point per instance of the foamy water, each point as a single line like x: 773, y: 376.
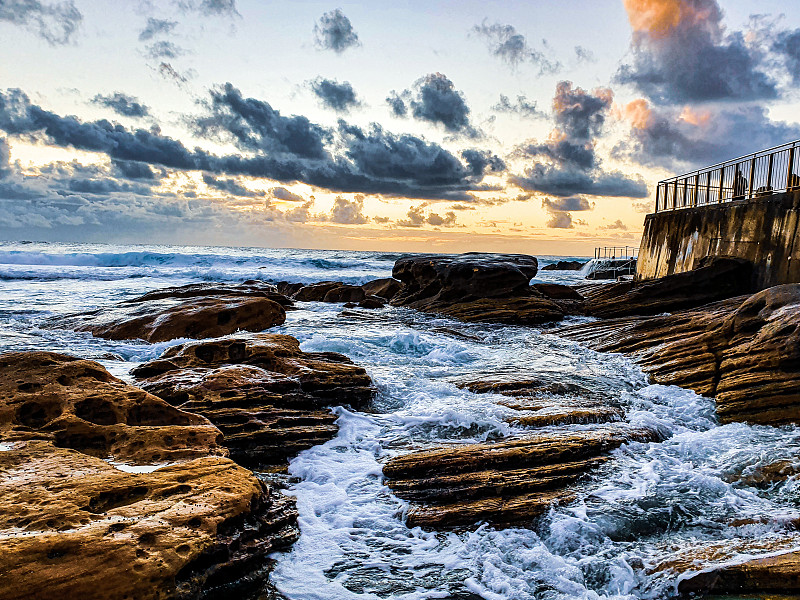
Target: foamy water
x: 650, y: 503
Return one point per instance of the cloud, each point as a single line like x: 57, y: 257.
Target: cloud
x: 281, y: 193
x: 417, y: 218
x: 5, y: 159
x: 618, y: 224
x: 787, y: 44
x: 560, y: 220
x: 584, y: 54
x: 230, y: 186
x: 299, y: 214
x: 122, y: 104
x: 397, y: 104
x: 334, y: 32
x: 348, y: 212
x: 566, y: 164
x: 448, y: 220
x: 479, y: 161
x: 569, y: 204
x: 134, y: 170
x: 436, y: 100
x: 506, y: 43
x: 156, y: 27
x: 56, y: 22
x: 211, y: 8
x: 167, y: 71
x: 287, y: 149
x: 340, y: 97
x: 522, y: 107
x: 682, y: 53
x: 164, y: 49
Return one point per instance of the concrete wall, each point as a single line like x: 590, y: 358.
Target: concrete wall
x: 762, y: 230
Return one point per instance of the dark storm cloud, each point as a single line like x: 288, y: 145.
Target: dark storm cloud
x: 281, y: 193
x: 787, y: 44
x: 522, y: 107
x: 156, y: 27
x: 683, y: 54
x: 5, y: 160
x: 105, y: 186
x: 56, y: 22
x: 569, y: 204
x: 340, y: 97
x: 435, y: 99
x: 122, y: 104
x: 347, y: 212
x: 506, y: 43
x: 567, y: 182
x: 578, y: 113
x: 164, y: 49
x: 287, y: 149
x: 397, y: 104
x: 334, y: 32
x: 230, y: 186
x: 562, y: 151
x: 134, y: 170
x: 479, y: 161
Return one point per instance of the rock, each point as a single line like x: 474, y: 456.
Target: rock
x: 315, y: 292
x: 77, y: 404
x: 564, y: 265
x: 265, y: 394
x: 541, y: 402
x: 744, y: 351
x: 556, y: 291
x: 195, y: 290
x: 168, y: 319
x: 474, y: 287
x: 716, y: 279
x: 384, y: 288
x: 372, y: 302
x: 345, y: 293
x: 288, y: 289
x: 74, y: 525
x: 502, y: 482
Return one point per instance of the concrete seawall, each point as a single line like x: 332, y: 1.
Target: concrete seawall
x: 762, y: 230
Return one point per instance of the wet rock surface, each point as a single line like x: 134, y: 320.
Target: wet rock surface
x: 744, y: 352
x: 195, y: 311
x: 474, y: 287
x: 386, y: 287
x: 565, y: 265
x: 267, y: 396
x: 502, y: 482
x: 715, y: 279
x: 74, y: 525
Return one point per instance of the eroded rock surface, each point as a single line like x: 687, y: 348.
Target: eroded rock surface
x: 474, y: 287
x: 267, y: 396
x: 194, y: 311
x: 73, y: 525
x: 744, y: 351
x: 504, y: 481
x: 383, y: 288
x: 565, y: 265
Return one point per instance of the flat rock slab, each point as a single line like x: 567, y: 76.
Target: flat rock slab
x: 194, y: 290
x: 266, y: 395
x: 501, y: 482
x: 744, y: 352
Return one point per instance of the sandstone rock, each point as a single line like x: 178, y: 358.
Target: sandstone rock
x: 315, y: 292
x: 372, y: 302
x: 716, y: 279
x: 743, y: 351
x: 345, y: 293
x: 384, y: 288
x: 265, y: 394
x: 556, y: 291
x: 77, y: 404
x: 168, y: 319
x: 564, y: 265
x: 504, y: 481
x: 288, y: 289
x: 195, y: 290
x: 73, y: 525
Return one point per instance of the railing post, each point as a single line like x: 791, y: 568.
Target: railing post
x: 769, y: 172
x: 789, y: 169
x: 721, y: 182
x: 696, y: 188
x: 752, y: 176
x: 658, y: 193
x: 675, y: 195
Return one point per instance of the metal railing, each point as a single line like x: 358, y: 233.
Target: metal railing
x: 616, y: 252
x: 753, y: 176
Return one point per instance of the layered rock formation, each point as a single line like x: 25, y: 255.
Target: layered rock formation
x: 266, y: 395
x: 76, y: 526
x: 744, y: 351
x: 373, y: 294
x: 504, y: 481
x: 474, y: 287
x: 195, y: 311
x: 564, y: 265
x: 715, y: 279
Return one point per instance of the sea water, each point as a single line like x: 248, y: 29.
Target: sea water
x: 651, y: 503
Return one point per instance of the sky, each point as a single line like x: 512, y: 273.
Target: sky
x: 535, y: 127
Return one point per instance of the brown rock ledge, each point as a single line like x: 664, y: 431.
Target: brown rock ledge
x: 501, y: 482
x: 266, y: 395
x: 744, y: 351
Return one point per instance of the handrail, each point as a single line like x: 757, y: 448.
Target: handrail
x: 616, y: 252
x: 756, y: 175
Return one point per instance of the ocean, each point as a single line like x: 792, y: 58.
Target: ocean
x: 649, y: 504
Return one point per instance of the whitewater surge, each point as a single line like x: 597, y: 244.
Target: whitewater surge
x: 648, y: 505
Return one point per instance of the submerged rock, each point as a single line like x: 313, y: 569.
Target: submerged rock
x: 715, y: 279
x: 474, y: 287
x: 565, y: 265
x: 266, y: 395
x: 504, y: 481
x: 744, y: 352
x: 73, y: 525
